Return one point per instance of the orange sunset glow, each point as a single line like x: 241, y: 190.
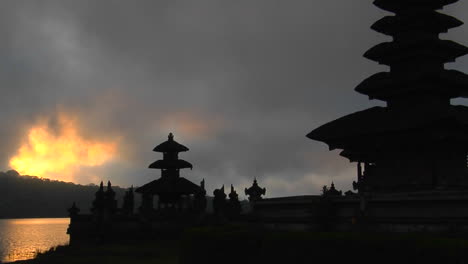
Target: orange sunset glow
x: 59, y: 154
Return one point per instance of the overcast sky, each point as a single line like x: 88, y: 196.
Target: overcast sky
x: 238, y: 82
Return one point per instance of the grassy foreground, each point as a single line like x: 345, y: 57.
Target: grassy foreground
x: 238, y: 244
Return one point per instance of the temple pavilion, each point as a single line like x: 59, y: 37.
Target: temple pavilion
x: 418, y: 141
x: 170, y: 188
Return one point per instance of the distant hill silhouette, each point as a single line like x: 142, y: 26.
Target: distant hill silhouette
x: 31, y: 196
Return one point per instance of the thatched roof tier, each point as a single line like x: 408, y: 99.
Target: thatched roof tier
x: 432, y: 22
x: 442, y: 51
x: 171, y: 164
x: 386, y: 85
x: 170, y: 146
x: 399, y: 5
x: 380, y: 127
x: 360, y: 155
x: 170, y: 185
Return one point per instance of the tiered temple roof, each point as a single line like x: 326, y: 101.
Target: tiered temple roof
x: 170, y: 186
x: 419, y: 131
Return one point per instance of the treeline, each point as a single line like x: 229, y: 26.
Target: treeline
x: 23, y: 196
x: 30, y: 196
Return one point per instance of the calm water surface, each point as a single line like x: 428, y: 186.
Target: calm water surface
x: 22, y: 238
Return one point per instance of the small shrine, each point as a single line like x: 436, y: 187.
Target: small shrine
x: 332, y: 191
x: 170, y: 188
x: 255, y: 192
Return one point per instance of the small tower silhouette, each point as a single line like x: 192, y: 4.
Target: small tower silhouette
x: 128, y: 202
x: 73, y: 211
x: 200, y: 198
x: 219, y: 201
x: 109, y: 199
x: 234, y: 206
x: 99, y: 203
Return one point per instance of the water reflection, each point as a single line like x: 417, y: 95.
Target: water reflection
x: 22, y: 238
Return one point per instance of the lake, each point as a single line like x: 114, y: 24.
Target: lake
x: 20, y: 239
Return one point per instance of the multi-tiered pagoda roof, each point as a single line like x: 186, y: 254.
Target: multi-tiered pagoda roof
x: 419, y: 140
x: 170, y: 186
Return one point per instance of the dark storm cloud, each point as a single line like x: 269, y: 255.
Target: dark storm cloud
x: 239, y: 82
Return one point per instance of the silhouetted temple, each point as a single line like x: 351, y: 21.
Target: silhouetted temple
x: 411, y: 154
x: 170, y: 187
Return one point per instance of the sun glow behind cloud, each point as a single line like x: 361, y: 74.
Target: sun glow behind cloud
x: 60, y: 153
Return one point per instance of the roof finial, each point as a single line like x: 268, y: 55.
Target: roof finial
x: 171, y: 136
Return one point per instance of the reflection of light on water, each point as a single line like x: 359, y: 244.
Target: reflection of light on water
x: 22, y: 238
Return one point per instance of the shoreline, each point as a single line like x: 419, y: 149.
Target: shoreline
x: 240, y: 244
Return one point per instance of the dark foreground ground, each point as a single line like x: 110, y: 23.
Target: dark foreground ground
x: 237, y: 244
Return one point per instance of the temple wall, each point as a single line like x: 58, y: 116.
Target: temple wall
x: 429, y: 211
x: 86, y: 228
x: 432, y: 212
